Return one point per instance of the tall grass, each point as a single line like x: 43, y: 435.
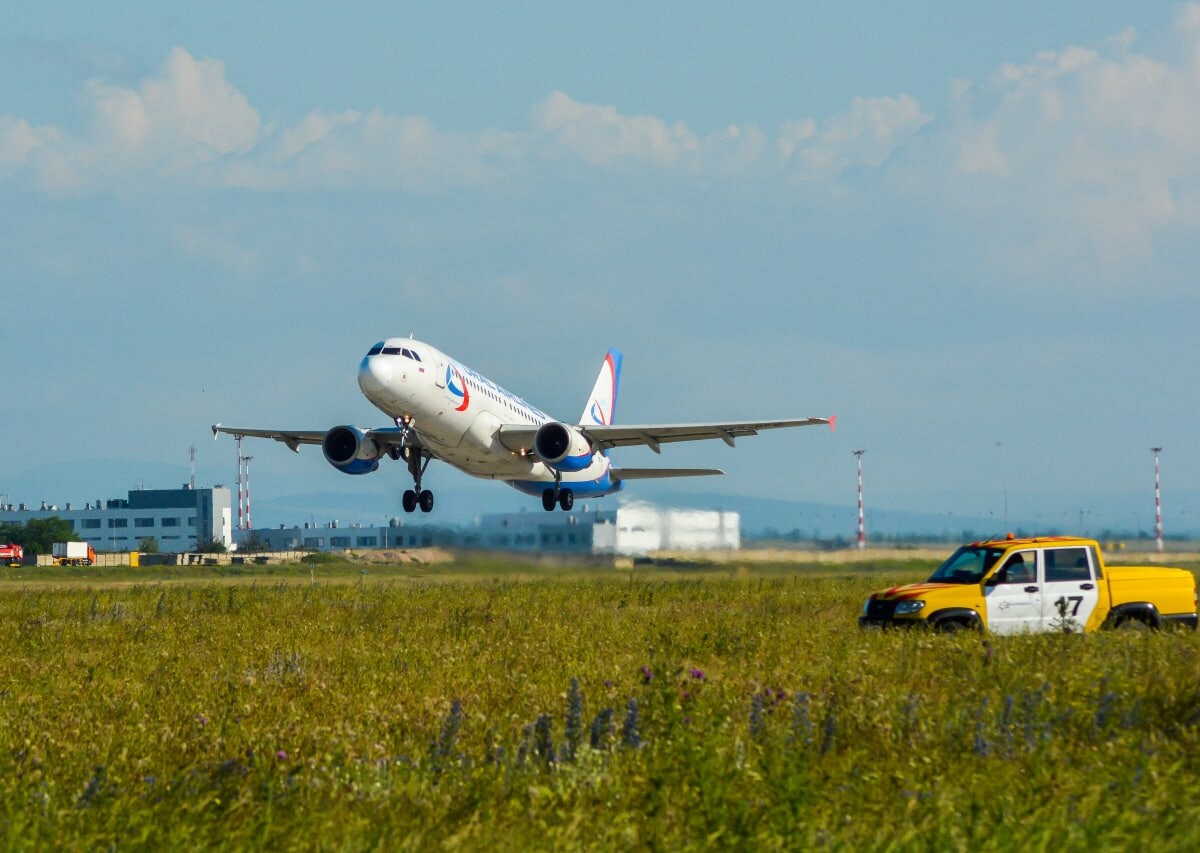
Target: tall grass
x: 576, y: 711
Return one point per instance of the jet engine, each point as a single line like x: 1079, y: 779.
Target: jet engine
x: 562, y: 447
x: 349, y: 450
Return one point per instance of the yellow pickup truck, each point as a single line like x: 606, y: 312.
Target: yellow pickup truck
x: 1050, y: 583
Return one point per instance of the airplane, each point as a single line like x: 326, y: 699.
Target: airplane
x: 442, y: 409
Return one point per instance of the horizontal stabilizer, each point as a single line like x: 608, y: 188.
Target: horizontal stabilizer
x: 658, y: 473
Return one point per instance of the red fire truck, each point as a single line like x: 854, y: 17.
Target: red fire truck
x: 13, y: 555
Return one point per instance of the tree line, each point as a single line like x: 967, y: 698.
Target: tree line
x: 38, y: 535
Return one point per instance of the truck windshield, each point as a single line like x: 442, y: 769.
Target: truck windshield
x: 967, y: 565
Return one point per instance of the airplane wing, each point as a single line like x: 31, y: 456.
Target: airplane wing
x: 384, y: 436
x: 517, y: 437
x: 658, y: 473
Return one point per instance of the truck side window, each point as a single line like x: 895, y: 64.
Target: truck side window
x: 1020, y: 568
x: 1067, y: 564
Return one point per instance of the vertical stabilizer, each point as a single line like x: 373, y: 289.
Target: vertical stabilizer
x: 602, y: 405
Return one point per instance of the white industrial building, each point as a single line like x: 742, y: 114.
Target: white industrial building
x: 631, y: 530
x: 634, y: 529
x: 641, y: 528
x: 177, y: 518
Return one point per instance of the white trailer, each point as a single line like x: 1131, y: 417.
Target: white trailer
x: 73, y: 553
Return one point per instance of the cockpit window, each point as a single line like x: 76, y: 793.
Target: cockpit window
x: 407, y: 353
x: 376, y: 350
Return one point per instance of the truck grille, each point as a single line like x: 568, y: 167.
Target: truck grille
x: 881, y: 610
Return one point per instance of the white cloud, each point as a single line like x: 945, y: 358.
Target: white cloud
x: 188, y: 124
x: 189, y: 112
x: 19, y: 141
x: 172, y: 124
x: 604, y: 138
x: 863, y: 135
x: 601, y: 136
x: 1187, y: 17
x: 1096, y: 147
x: 1097, y: 141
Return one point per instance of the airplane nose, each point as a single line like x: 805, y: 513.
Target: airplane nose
x: 374, y: 374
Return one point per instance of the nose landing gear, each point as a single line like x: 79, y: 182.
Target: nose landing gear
x: 418, y: 461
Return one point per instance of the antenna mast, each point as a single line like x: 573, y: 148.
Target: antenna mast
x: 862, y: 531
x: 1158, y: 532
x: 247, y: 460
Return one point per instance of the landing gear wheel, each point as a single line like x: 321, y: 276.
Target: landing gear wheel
x: 418, y: 461
x: 548, y: 500
x: 566, y: 499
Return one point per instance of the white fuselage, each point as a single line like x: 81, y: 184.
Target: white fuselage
x: 456, y: 412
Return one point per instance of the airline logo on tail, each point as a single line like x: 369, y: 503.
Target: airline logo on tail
x: 602, y: 404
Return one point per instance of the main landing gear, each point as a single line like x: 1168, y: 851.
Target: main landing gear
x: 563, y: 497
x: 418, y: 461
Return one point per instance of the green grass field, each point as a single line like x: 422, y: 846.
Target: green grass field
x: 485, y: 704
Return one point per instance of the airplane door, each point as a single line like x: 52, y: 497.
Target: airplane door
x: 1069, y: 591
x: 440, y: 373
x: 1014, y: 599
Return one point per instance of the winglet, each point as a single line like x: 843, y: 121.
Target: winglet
x: 833, y: 423
x: 215, y: 427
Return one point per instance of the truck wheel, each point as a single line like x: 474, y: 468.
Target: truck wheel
x: 951, y: 626
x: 1133, y: 623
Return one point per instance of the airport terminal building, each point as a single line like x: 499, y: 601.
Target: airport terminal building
x: 631, y: 530
x: 177, y: 518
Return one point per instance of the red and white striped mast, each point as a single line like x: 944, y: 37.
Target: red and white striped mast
x: 247, y: 459
x: 243, y: 486
x: 238, y: 440
x: 1158, y: 533
x: 862, y: 530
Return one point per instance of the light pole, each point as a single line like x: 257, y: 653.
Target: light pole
x: 862, y: 532
x: 1158, y: 533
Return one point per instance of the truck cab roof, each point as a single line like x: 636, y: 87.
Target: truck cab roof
x: 1027, y: 541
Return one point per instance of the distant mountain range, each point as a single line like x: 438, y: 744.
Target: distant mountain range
x: 460, y: 501
x: 759, y: 516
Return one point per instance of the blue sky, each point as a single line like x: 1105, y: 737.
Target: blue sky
x: 970, y: 232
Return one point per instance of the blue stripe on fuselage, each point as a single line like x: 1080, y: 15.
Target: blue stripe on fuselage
x: 603, y: 485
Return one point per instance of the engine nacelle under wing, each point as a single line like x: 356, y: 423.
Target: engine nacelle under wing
x: 562, y: 447
x: 350, y: 450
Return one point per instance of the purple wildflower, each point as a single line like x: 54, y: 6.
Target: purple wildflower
x: 647, y: 674
x: 697, y: 674
x: 281, y: 755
